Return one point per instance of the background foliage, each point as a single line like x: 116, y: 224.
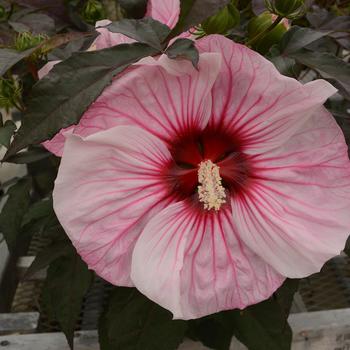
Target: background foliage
x: 34, y: 31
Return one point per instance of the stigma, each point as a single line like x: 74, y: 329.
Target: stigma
x: 210, y: 191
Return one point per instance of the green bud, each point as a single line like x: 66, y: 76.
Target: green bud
x: 27, y: 40
x: 291, y: 9
x: 223, y: 21
x: 93, y: 11
x: 10, y: 93
x: 261, y: 23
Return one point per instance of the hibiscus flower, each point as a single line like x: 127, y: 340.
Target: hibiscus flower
x: 206, y: 188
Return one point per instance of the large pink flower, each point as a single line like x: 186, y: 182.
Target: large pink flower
x: 206, y: 189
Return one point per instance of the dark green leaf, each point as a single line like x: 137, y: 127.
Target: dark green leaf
x: 194, y: 12
x: 6, y: 132
x: 328, y: 66
x: 30, y: 156
x: 36, y: 23
x: 285, y: 294
x: 14, y: 210
x: 213, y: 331
x: 134, y: 8
x: 321, y: 19
x: 10, y: 57
x: 285, y: 65
x: 47, y: 256
x: 262, y: 326
x: 185, y: 49
x: 347, y: 247
x: 38, y: 210
x: 62, y: 96
x: 146, y: 30
x: 132, y: 322
x: 297, y: 38
x: 68, y: 279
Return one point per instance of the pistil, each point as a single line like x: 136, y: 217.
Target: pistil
x: 211, y: 192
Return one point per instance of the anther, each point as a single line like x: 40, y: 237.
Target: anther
x: 211, y: 192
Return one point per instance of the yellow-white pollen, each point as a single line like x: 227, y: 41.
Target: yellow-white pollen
x: 211, y: 192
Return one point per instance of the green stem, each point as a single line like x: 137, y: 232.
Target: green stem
x: 264, y: 32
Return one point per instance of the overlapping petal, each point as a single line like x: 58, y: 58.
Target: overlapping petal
x: 261, y: 106
x: 108, y: 186
x: 165, y: 11
x: 166, y: 98
x: 295, y: 214
x: 195, y: 264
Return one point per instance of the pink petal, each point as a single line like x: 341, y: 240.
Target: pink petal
x: 165, y: 11
x: 263, y: 107
x: 194, y: 264
x: 108, y: 187
x: 56, y: 144
x: 107, y: 38
x: 165, y: 98
x: 295, y: 215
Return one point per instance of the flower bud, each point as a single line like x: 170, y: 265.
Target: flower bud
x: 261, y: 23
x: 223, y: 21
x: 291, y: 9
x: 10, y: 93
x: 93, y: 11
x: 27, y: 40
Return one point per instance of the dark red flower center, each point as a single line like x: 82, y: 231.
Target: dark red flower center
x: 194, y: 147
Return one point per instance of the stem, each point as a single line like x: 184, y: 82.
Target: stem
x: 266, y: 31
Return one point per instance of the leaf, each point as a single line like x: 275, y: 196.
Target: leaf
x: 133, y: 322
x: 38, y: 210
x: 347, y: 247
x: 185, y: 49
x: 321, y: 19
x: 10, y: 57
x: 285, y: 65
x: 262, y: 326
x: 61, y: 97
x: 14, y: 210
x: 47, y: 256
x: 68, y: 279
x: 76, y: 41
x: 212, y: 331
x: 6, y: 132
x: 134, y: 8
x: 194, y: 12
x: 328, y: 66
x: 36, y: 23
x: 285, y: 294
x: 297, y: 38
x: 146, y: 30
x: 30, y: 156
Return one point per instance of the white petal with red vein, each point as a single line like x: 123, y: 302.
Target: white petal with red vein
x: 295, y: 215
x: 253, y: 99
x: 108, y: 187
x: 195, y: 264
x: 165, y: 98
x: 165, y: 11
